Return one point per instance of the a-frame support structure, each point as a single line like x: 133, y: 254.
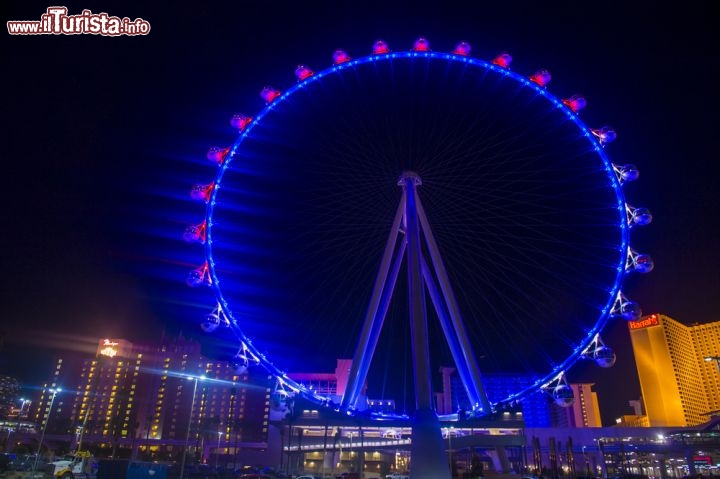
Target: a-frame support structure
x: 410, y: 227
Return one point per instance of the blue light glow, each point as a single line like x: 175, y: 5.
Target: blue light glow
x: 523, y: 82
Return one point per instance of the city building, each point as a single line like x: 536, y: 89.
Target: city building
x: 538, y: 409
x: 334, y: 384
x: 678, y: 368
x: 329, y: 384
x: 13, y: 412
x: 638, y: 419
x: 584, y: 411
x: 156, y: 401
x: 9, y: 395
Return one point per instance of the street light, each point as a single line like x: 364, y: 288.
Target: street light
x: 448, y: 433
x: 350, y: 453
x: 714, y: 358
x: 23, y: 401
x: 587, y: 462
x: 54, y: 392
x: 217, y: 453
x: 187, y: 436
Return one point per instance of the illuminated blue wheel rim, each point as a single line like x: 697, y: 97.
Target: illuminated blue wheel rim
x: 528, y: 213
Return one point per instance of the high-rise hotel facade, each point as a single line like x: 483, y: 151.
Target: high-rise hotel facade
x: 156, y: 400
x: 679, y: 369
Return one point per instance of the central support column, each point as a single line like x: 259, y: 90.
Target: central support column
x: 418, y: 313
x: 427, y: 455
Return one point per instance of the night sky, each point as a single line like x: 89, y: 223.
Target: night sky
x: 102, y: 137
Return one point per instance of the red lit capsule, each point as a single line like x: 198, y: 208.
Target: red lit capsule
x: 340, y: 57
x: 269, y: 94
x: 240, y: 121
x: 541, y: 77
x: 217, y: 154
x: 196, y: 233
x: 421, y: 45
x: 606, y: 134
x: 639, y: 263
x: 380, y: 47
x: 462, y: 48
x: 575, y: 103
x: 503, y: 60
x: 202, y: 192
x: 302, y: 72
x: 199, y: 276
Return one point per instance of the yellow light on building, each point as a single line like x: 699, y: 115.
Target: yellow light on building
x: 679, y: 387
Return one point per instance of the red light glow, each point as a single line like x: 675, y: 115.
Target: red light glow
x: 240, y: 121
x: 575, y: 103
x: 421, y: 45
x: 503, y: 60
x: 380, y: 47
x: 217, y: 154
x: 302, y: 72
x: 269, y: 94
x: 196, y: 233
x: 541, y: 77
x: 463, y: 49
x: 651, y: 320
x: 202, y: 192
x: 340, y: 57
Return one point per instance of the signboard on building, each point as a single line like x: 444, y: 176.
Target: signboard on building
x: 111, y: 348
x: 651, y: 320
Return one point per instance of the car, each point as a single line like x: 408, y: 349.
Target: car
x: 269, y: 471
x: 202, y: 471
x: 254, y: 476
x: 305, y: 477
x: 26, y: 462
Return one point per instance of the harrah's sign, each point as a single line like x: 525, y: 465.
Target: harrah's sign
x: 109, y: 348
x: 644, y: 323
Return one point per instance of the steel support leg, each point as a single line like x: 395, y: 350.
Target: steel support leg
x: 371, y: 328
x: 483, y: 404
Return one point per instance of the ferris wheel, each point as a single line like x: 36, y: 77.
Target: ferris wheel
x: 414, y: 209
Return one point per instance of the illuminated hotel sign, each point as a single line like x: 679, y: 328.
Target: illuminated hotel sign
x: 651, y: 320
x: 108, y: 348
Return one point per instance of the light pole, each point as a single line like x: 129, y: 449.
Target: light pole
x: 79, y: 441
x: 603, y: 465
x: 350, y: 453
x: 450, y: 432
x: 714, y: 358
x: 187, y: 435
x: 23, y: 401
x: 217, y: 453
x: 54, y: 392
